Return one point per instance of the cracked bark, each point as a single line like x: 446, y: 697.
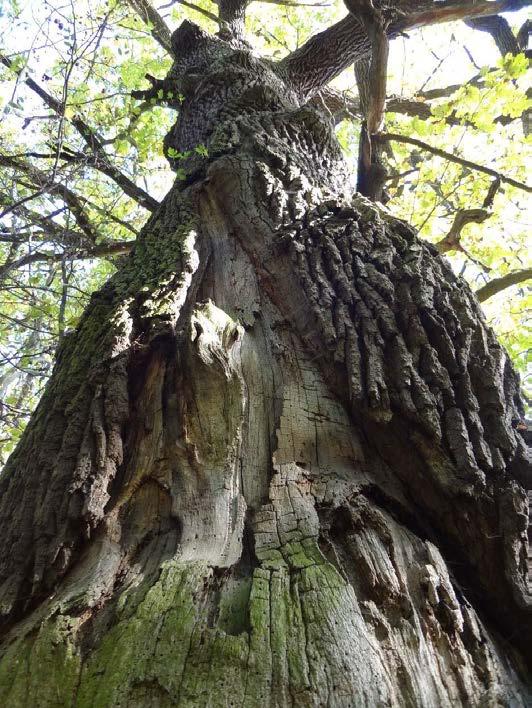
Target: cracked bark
x: 277, y: 463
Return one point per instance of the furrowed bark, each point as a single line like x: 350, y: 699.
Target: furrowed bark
x: 326, y: 54
x: 277, y: 464
x: 232, y: 16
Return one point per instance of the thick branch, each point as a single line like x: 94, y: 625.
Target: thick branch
x: 497, y: 285
x: 370, y: 74
x: 232, y: 16
x: 454, y: 158
x: 431, y: 13
x: 327, y: 54
x: 499, y: 29
x: 372, y: 78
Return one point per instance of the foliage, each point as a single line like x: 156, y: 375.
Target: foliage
x: 435, y: 190
x: 64, y: 211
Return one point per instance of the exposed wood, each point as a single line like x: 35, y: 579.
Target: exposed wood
x: 451, y: 242
x: 276, y: 463
x: 375, y: 25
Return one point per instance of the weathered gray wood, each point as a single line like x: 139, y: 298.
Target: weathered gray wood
x: 276, y: 464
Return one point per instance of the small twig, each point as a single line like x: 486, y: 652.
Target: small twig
x: 97, y: 157
x: 191, y: 6
x: 454, y: 158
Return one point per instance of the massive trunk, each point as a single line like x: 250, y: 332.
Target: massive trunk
x: 276, y: 464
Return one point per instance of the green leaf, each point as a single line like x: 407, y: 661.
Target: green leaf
x: 202, y: 150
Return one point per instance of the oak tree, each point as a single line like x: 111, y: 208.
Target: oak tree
x: 280, y: 459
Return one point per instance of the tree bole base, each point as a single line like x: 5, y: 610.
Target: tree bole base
x: 258, y: 547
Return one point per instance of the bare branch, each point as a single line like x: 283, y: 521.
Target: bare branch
x: 44, y: 186
x: 497, y: 285
x: 103, y: 250
x: 60, y: 234
x: 149, y: 15
x: 41, y: 181
x: 339, y: 105
x: 343, y: 104
x: 454, y: 158
x: 452, y: 242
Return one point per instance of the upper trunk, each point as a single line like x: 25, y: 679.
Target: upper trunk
x: 276, y: 464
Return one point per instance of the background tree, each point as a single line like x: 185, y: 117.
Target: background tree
x: 279, y: 459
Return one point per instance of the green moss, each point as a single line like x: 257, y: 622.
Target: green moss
x: 42, y: 668
x: 151, y: 645
x: 233, y: 615
x: 163, y: 650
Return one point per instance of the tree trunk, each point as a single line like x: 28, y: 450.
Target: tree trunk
x: 276, y: 464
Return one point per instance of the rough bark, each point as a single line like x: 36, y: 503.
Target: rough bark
x: 277, y: 463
